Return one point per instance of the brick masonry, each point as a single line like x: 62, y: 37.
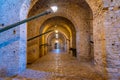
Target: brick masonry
x: 101, y: 22
x: 12, y: 42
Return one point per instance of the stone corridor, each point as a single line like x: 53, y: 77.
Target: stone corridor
x: 31, y: 29
x: 59, y: 66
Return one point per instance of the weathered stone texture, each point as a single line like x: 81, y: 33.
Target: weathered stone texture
x: 99, y: 22
x: 11, y: 59
x: 112, y: 28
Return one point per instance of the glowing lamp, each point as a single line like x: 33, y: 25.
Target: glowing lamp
x: 56, y: 31
x: 56, y: 41
x: 54, y: 8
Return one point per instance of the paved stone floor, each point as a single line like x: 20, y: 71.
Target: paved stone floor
x: 59, y: 66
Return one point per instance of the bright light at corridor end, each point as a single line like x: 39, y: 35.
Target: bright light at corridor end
x: 56, y: 31
x: 56, y: 41
x: 54, y: 8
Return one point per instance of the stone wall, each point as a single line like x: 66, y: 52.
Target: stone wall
x: 112, y: 29
x: 12, y: 43
x: 106, y: 36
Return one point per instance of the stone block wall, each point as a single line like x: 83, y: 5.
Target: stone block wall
x: 112, y: 29
x: 106, y: 34
x: 33, y: 53
x: 34, y: 43
x: 106, y: 27
x: 12, y: 48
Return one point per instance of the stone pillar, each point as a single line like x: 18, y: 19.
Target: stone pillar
x: 12, y: 52
x: 13, y: 41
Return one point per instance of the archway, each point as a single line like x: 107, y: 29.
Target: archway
x: 80, y: 14
x: 57, y: 41
x: 86, y: 32
x: 63, y: 26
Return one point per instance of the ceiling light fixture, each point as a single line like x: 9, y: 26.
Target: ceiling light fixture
x: 54, y: 8
x: 56, y: 31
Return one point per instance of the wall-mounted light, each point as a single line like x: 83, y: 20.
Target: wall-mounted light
x: 54, y: 8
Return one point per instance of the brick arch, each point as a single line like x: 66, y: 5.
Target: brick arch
x: 84, y: 41
x: 100, y: 22
x: 63, y: 38
x: 99, y: 8
x: 98, y: 26
x: 61, y: 21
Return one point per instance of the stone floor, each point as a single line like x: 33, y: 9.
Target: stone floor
x: 59, y: 66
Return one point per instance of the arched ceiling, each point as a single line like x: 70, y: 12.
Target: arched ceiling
x: 38, y: 4
x: 74, y: 10
x: 52, y: 36
x: 70, y: 17
x: 58, y: 23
